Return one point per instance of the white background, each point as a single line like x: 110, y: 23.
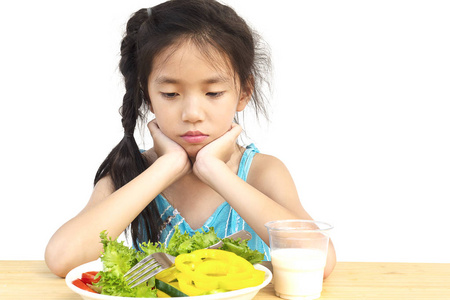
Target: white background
x: 360, y: 115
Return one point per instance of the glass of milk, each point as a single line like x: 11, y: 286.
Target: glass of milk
x: 299, y: 252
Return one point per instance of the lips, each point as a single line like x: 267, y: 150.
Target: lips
x: 194, y: 137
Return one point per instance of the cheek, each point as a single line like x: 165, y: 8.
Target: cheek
x: 163, y: 125
x: 229, y: 115
x: 164, y: 122
x: 224, y: 121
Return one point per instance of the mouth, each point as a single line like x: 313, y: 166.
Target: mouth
x: 194, y: 137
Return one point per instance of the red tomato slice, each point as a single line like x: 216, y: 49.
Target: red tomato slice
x: 92, y: 272
x: 82, y: 285
x: 89, y: 277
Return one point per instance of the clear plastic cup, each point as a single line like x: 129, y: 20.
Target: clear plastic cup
x: 299, y: 252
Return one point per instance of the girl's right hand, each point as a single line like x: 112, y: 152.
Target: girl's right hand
x: 162, y: 145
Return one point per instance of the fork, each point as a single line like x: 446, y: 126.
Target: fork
x: 158, y: 261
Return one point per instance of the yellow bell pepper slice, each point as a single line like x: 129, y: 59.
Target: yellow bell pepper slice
x: 168, y: 275
x: 186, y: 286
x: 206, y: 270
x: 256, y: 279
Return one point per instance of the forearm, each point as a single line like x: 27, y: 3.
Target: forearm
x: 252, y: 205
x: 77, y: 241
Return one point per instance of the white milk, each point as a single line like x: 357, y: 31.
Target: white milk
x: 298, y: 273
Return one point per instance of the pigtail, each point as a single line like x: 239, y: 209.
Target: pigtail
x: 125, y: 161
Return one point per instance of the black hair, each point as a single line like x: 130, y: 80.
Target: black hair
x: 149, y: 32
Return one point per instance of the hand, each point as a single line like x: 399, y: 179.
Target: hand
x: 218, y: 151
x: 163, y: 146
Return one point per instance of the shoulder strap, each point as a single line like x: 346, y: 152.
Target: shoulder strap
x: 246, y: 161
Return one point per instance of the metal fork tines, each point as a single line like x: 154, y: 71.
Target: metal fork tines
x: 157, y: 262
x: 147, y: 268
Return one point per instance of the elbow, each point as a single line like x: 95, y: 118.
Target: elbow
x: 57, y: 260
x: 331, y: 261
x: 62, y: 255
x: 328, y: 269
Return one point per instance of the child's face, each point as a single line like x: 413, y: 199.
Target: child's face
x: 194, y: 100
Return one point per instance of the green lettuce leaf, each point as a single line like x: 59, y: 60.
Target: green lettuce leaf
x: 183, y: 243
x: 117, y: 259
x: 240, y: 248
x: 150, y: 248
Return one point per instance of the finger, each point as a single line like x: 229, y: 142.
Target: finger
x: 235, y: 130
x: 152, y: 123
x: 153, y: 126
x: 235, y: 126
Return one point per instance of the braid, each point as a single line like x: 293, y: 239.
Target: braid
x: 125, y: 161
x: 132, y: 99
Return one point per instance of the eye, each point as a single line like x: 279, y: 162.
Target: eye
x: 169, y: 95
x: 215, y: 94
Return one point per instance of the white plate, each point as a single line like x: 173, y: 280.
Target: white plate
x: 243, y: 294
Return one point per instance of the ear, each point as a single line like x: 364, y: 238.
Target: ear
x: 246, y: 95
x: 244, y: 99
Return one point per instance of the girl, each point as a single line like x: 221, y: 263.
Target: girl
x: 194, y: 64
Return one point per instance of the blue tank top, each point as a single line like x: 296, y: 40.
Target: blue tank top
x: 225, y: 219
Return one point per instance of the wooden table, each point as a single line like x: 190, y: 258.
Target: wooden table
x: 349, y: 280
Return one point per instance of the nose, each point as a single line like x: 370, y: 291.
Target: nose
x: 192, y: 110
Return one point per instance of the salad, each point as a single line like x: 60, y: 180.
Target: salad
x: 234, y: 257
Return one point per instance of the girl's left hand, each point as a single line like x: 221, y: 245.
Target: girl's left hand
x: 218, y: 151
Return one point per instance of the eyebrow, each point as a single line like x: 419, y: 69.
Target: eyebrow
x: 165, y: 80
x: 212, y: 80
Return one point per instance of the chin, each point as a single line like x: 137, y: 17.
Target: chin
x: 192, y: 150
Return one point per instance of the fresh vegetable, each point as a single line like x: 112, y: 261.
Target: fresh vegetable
x: 161, y: 294
x: 183, y: 243
x: 90, y: 277
x: 168, y: 289
x: 117, y: 259
x: 80, y: 284
x: 240, y: 248
x: 168, y: 275
x: 210, y: 270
